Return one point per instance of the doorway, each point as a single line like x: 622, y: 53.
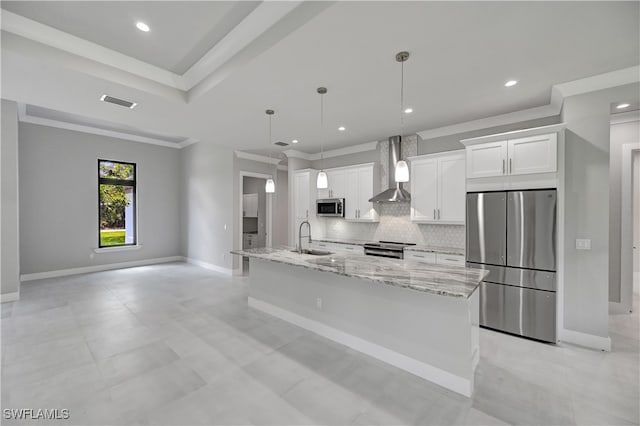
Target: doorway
x: 255, y: 214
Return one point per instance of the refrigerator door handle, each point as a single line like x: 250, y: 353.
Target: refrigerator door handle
x: 503, y: 166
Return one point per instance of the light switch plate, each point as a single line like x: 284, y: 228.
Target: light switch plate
x: 583, y: 244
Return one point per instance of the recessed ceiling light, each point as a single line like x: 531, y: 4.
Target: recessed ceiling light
x: 511, y: 83
x: 142, y: 27
x: 294, y: 141
x: 342, y: 128
x: 622, y: 106
x: 408, y: 110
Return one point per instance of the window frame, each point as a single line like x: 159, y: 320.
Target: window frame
x: 120, y: 182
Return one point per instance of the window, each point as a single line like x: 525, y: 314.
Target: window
x: 116, y: 203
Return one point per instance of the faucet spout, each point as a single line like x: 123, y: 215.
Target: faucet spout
x: 308, y: 236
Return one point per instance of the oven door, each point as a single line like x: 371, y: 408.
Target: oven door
x: 330, y: 207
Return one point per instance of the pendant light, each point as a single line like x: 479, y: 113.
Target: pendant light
x: 322, y: 182
x: 402, y: 169
x: 270, y: 186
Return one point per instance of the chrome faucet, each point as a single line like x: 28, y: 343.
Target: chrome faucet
x: 300, y: 235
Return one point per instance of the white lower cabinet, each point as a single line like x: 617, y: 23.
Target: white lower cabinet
x: 436, y: 258
x: 438, y: 188
x: 337, y: 247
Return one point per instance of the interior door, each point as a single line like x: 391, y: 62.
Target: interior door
x: 451, y: 188
x: 486, y: 227
x: 424, y: 190
x: 531, y: 229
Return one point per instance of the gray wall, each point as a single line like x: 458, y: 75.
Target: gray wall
x: 59, y: 198
x: 9, y: 240
x: 452, y: 142
x: 253, y: 185
x: 347, y: 160
x: 621, y: 134
x: 207, y: 218
x: 586, y: 277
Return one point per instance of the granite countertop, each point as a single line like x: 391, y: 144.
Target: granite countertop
x: 436, y: 249
x: 340, y: 241
x: 452, y: 281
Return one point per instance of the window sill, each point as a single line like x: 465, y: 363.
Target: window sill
x: 115, y: 249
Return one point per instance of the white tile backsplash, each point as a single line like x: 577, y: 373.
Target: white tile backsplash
x: 395, y: 225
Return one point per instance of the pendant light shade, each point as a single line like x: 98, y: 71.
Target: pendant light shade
x: 270, y: 186
x: 402, y: 171
x: 322, y: 182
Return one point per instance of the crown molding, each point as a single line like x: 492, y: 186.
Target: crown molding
x: 283, y: 167
x: 553, y: 128
x: 256, y: 157
x: 353, y: 149
x: 625, y: 117
x: 25, y: 118
x: 558, y: 93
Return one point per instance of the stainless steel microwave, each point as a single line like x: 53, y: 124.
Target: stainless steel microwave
x: 333, y: 207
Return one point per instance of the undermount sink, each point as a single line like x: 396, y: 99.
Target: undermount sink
x: 313, y: 252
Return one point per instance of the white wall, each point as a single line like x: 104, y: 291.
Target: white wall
x: 59, y: 198
x: 636, y: 216
x: 207, y: 199
x: 587, y: 142
x: 9, y: 239
x: 621, y: 133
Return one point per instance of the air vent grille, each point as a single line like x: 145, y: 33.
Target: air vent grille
x: 117, y: 101
x: 280, y: 143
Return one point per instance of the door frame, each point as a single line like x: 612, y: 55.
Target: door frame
x: 626, y: 230
x: 269, y: 207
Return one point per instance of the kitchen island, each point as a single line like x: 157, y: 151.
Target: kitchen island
x: 419, y: 317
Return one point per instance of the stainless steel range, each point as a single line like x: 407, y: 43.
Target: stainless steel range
x: 386, y: 249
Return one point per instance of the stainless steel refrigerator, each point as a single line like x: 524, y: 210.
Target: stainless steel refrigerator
x: 513, y: 235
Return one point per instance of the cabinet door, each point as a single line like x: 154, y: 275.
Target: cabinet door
x: 302, y: 199
x: 486, y: 160
x: 365, y: 192
x: 424, y: 190
x: 337, y: 183
x: 351, y: 194
x: 535, y: 154
x: 451, y: 189
x: 324, y: 193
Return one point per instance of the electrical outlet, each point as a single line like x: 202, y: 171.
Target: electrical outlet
x: 319, y: 303
x: 583, y: 244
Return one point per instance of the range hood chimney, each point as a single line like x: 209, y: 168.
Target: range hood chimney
x: 395, y: 193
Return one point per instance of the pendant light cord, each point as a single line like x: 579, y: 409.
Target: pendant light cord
x: 401, y: 98
x: 322, y: 130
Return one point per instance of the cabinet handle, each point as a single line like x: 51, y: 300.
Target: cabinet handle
x: 416, y: 255
x: 434, y: 214
x: 307, y: 213
x: 349, y: 248
x: 438, y: 214
x: 509, y: 165
x: 503, y: 166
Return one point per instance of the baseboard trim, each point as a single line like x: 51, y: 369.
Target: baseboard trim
x: 10, y: 297
x: 98, y: 268
x: 584, y: 339
x: 209, y: 266
x: 433, y: 374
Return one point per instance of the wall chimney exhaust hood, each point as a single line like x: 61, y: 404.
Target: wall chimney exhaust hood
x: 395, y: 193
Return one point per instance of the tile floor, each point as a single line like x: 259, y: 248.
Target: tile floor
x: 177, y: 344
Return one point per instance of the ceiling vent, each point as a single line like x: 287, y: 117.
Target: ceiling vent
x: 117, y: 101
x: 280, y: 143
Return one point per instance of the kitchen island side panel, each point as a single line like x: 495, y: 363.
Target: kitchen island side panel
x: 439, y: 332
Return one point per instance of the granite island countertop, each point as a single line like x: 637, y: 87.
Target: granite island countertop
x: 446, y: 280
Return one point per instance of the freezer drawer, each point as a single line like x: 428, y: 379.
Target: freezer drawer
x: 517, y: 310
x: 531, y: 278
x: 531, y: 229
x: 486, y: 224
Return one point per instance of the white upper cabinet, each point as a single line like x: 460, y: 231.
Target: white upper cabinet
x: 451, y: 188
x: 487, y: 159
x: 438, y: 188
x: 359, y: 188
x: 302, y: 200
x: 250, y: 205
x: 336, y: 187
x: 424, y: 189
x: 522, y: 156
x: 534, y: 154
